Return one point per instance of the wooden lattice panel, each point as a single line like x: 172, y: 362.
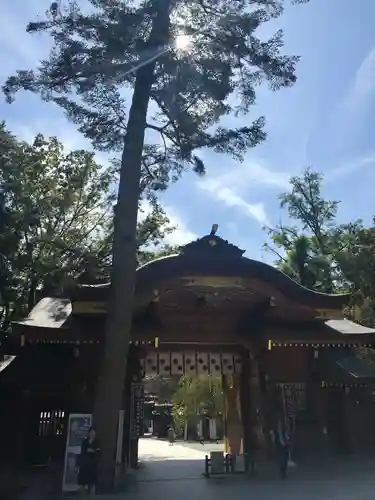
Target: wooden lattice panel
x: 177, y: 363
x: 215, y: 363
x: 202, y: 363
x: 190, y: 362
x: 227, y: 362
x: 164, y: 363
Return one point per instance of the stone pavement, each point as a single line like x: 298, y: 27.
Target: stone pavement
x: 159, y: 461
x: 175, y: 472
x: 206, y: 446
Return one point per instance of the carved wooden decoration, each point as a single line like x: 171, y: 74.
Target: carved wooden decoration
x: 190, y: 363
x: 237, y: 364
x: 215, y: 363
x: 177, y: 363
x: 211, y: 246
x: 227, y: 363
x: 165, y: 363
x: 202, y: 363
x: 142, y: 362
x: 152, y: 367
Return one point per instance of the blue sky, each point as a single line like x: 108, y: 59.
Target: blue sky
x: 326, y: 120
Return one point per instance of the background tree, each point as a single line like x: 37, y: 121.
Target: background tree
x: 321, y: 254
x: 124, y: 44
x: 56, y: 205
x: 357, y: 262
x: 314, y: 249
x: 358, y: 265
x: 56, y: 222
x: 152, y: 229
x: 317, y: 251
x: 7, y: 243
x: 306, y: 249
x: 196, y: 396
x: 161, y: 387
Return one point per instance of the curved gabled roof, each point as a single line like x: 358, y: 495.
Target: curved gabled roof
x: 213, y: 256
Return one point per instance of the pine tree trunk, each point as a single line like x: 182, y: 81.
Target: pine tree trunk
x: 113, y: 368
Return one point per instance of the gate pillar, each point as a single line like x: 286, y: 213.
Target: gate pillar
x: 244, y: 411
x: 246, y: 403
x: 233, y: 428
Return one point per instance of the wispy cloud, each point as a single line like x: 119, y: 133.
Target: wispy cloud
x: 349, y: 167
x: 363, y: 86
x: 231, y: 199
x: 20, y: 49
x: 342, y: 127
x: 182, y: 233
x: 246, y: 175
x: 65, y: 131
x: 234, y: 187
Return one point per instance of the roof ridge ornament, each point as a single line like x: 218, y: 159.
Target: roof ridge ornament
x: 214, y: 229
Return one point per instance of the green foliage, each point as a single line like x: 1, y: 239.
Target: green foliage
x: 305, y: 250
x: 99, y: 52
x: 151, y: 231
x: 197, y: 395
x: 306, y: 204
x: 153, y: 227
x: 321, y: 254
x: 56, y: 221
x: 55, y: 206
x: 357, y: 262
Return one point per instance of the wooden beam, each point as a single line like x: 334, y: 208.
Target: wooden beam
x: 89, y: 308
x: 365, y: 342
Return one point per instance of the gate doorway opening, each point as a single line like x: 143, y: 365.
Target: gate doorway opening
x: 192, y: 405
x: 202, y: 392
x: 183, y: 421
x: 184, y: 388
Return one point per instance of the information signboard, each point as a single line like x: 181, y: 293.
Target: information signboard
x: 78, y: 427
x: 137, y: 405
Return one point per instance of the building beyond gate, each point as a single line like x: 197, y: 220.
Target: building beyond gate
x: 206, y: 310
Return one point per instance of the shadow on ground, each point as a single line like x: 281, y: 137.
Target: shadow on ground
x: 176, y: 473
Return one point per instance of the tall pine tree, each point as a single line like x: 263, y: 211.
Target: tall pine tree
x: 196, y: 61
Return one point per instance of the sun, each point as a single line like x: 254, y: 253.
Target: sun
x: 182, y: 42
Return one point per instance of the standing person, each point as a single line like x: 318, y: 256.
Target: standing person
x: 280, y: 439
x: 88, y: 463
x: 171, y: 436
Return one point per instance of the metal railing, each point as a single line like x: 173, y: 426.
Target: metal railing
x: 226, y: 464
